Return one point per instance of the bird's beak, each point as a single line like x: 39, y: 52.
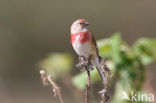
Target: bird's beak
x: 86, y: 23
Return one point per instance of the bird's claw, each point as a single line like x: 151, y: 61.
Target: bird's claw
x: 84, y: 64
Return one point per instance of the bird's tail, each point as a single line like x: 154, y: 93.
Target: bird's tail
x: 99, y: 67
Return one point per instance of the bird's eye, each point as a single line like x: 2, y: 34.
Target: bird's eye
x: 80, y: 23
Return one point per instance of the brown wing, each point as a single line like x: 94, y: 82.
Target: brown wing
x: 94, y: 43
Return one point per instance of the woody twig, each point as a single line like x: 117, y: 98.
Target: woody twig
x: 104, y: 93
x: 47, y: 79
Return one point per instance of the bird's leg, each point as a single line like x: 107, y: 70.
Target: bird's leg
x: 84, y: 63
x: 81, y: 62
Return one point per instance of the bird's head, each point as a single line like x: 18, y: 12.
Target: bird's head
x: 79, y: 25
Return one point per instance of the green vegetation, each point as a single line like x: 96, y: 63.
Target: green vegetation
x: 127, y: 65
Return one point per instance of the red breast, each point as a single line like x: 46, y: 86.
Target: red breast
x: 83, y: 37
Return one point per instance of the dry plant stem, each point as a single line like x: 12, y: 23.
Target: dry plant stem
x: 88, y: 88
x: 104, y: 93
x: 48, y: 80
x: 83, y: 63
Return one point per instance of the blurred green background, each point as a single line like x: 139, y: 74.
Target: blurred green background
x: 32, y: 29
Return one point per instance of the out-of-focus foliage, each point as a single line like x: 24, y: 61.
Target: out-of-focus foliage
x: 146, y: 49
x: 57, y: 64
x: 126, y: 64
x: 81, y: 78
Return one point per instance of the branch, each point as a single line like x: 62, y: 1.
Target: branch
x: 48, y: 80
x: 88, y: 88
x: 104, y: 93
x: 86, y: 65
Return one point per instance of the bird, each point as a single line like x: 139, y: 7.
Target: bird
x: 85, y: 45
